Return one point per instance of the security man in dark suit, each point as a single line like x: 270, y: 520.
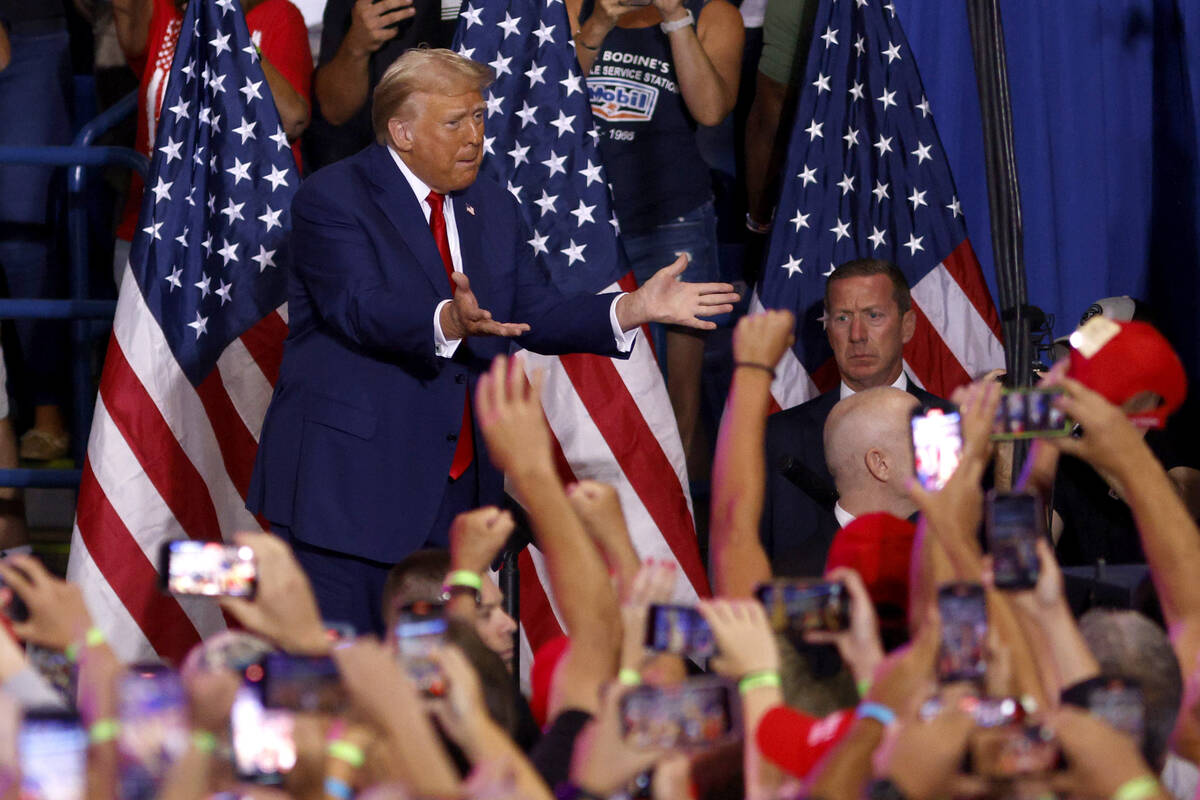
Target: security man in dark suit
x: 868, y: 318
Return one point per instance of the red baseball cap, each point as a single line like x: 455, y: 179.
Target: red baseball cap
x: 795, y: 741
x: 1121, y: 360
x: 879, y: 547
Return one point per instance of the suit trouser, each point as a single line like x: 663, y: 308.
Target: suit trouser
x: 349, y: 588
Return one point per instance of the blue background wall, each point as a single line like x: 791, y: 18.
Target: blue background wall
x: 1105, y: 98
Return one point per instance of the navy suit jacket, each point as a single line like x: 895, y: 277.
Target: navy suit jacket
x: 357, y: 442
x: 797, y: 529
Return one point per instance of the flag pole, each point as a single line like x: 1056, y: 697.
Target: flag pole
x: 1004, y: 197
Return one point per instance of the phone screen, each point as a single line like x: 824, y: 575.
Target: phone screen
x: 53, y: 752
x: 679, y: 630
x: 264, y: 745
x: 964, y: 631
x: 417, y: 635
x: 801, y: 606
x: 937, y: 445
x: 1014, y: 750
x: 152, y: 708
x: 211, y: 569
x: 1025, y: 413
x: 697, y: 713
x: 302, y: 683
x: 1014, y: 524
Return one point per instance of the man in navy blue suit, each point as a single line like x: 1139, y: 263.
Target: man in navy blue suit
x: 408, y: 277
x: 868, y: 319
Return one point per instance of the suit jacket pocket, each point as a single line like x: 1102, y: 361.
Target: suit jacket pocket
x: 336, y: 414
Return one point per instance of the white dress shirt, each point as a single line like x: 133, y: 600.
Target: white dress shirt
x: 442, y: 346
x: 844, y: 517
x: 900, y: 383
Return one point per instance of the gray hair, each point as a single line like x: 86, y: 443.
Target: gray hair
x: 1128, y: 645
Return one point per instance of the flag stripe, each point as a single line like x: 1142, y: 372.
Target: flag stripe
x: 146, y: 431
x: 639, y: 455
x: 247, y: 386
x: 236, y: 444
x: 143, y: 344
x: 265, y: 342
x: 931, y: 360
x: 585, y: 449
x: 536, y: 615
x: 107, y: 609
x: 953, y: 316
x: 138, y: 504
x: 131, y: 575
x: 964, y: 267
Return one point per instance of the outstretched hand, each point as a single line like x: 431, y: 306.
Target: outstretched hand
x: 666, y: 299
x: 462, y: 316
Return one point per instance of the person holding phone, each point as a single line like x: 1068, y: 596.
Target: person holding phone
x: 655, y: 71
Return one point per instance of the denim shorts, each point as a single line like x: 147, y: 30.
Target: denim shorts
x: 695, y: 233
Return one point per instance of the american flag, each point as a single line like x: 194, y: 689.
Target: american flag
x: 867, y: 177
x: 196, y: 342
x: 611, y: 418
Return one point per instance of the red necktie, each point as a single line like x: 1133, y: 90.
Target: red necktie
x: 464, y: 451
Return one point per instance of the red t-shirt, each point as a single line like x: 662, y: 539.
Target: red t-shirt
x: 276, y: 26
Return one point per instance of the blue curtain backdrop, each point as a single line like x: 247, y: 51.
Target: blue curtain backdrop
x: 1106, y: 109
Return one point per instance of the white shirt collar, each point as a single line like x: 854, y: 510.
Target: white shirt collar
x: 844, y: 517
x: 418, y: 186
x: 900, y: 383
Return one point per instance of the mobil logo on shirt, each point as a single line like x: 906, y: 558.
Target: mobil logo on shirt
x: 620, y: 100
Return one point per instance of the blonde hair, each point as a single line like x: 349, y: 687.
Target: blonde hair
x: 424, y: 69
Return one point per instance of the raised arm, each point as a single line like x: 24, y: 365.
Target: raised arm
x: 953, y: 516
x: 1170, y: 539
x: 342, y: 83
x: 739, y: 471
x: 510, y: 416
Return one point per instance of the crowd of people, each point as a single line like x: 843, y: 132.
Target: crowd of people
x: 1100, y: 707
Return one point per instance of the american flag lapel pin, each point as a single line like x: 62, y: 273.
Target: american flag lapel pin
x: 471, y: 210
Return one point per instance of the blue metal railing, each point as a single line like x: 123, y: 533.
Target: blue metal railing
x: 80, y: 308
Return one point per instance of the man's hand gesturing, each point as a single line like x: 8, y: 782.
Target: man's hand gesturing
x: 462, y: 316
x: 666, y: 299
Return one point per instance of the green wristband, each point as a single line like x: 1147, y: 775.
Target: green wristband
x: 464, y: 577
x: 629, y: 677
x: 204, y: 741
x: 1138, y: 788
x: 93, y: 638
x: 104, y: 731
x: 349, y: 752
x: 757, y: 680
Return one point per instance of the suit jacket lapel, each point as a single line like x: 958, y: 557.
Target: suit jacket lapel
x: 470, y: 243
x: 395, y: 197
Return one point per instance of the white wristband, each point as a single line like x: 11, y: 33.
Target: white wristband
x: 682, y: 22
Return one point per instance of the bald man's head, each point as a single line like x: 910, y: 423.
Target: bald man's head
x: 868, y: 451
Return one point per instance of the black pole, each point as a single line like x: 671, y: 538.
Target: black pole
x: 510, y: 585
x: 1004, y: 195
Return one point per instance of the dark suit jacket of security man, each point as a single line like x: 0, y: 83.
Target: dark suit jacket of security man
x: 357, y: 442
x: 798, y: 524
